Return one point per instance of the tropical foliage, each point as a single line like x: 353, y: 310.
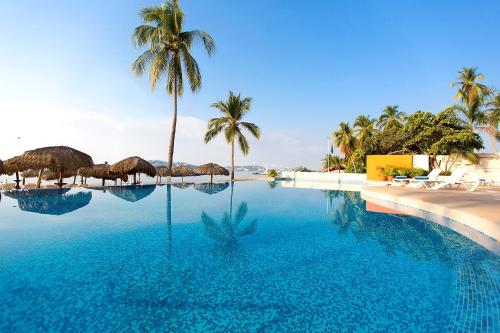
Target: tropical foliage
x: 453, y: 131
x: 168, y: 54
x: 233, y: 110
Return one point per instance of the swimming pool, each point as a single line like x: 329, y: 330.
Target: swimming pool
x: 249, y: 258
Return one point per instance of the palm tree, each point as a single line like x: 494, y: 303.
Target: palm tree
x: 168, y: 53
x: 472, y: 114
x: 233, y: 110
x: 469, y: 87
x: 333, y: 162
x: 493, y: 120
x: 364, y: 128
x: 344, y: 139
x: 391, y: 117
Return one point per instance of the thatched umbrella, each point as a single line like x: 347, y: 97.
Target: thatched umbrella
x: 132, y: 166
x: 183, y: 171
x: 211, y: 169
x: 101, y: 171
x: 161, y: 171
x: 132, y: 193
x: 211, y: 188
x: 1, y: 167
x: 50, y: 201
x: 14, y: 165
x: 59, y: 159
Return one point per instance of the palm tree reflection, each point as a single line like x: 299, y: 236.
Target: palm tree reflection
x: 227, y: 231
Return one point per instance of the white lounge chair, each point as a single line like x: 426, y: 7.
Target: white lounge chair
x: 454, y: 179
x: 419, y: 181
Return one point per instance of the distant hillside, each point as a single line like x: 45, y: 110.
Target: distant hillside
x: 248, y: 168
x: 157, y: 163
x: 241, y: 168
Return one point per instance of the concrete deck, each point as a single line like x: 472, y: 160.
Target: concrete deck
x: 478, y: 210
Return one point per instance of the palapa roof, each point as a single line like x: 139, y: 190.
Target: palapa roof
x: 30, y: 173
x: 101, y: 171
x: 12, y: 165
x: 133, y: 165
x: 211, y: 169
x: 132, y: 193
x: 211, y: 188
x: 1, y: 167
x: 162, y: 171
x: 56, y: 158
x: 50, y: 201
x: 51, y: 175
x: 183, y: 171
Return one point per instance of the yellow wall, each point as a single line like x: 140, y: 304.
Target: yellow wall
x: 373, y: 162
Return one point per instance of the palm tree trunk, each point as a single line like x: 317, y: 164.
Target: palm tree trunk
x: 172, y: 130
x: 232, y: 160
x: 39, y: 180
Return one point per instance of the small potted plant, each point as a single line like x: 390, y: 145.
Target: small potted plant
x: 390, y: 173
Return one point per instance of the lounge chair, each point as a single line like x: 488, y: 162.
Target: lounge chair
x: 419, y: 181
x: 454, y: 179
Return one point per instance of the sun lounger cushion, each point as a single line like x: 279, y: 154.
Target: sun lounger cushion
x: 400, y: 177
x: 421, y: 178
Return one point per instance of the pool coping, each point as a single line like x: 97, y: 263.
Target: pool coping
x: 459, y: 220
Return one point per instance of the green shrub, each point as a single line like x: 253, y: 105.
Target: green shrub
x: 415, y: 172
x: 272, y: 173
x: 445, y: 173
x: 391, y: 171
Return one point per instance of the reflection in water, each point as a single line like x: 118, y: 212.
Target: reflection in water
x: 50, y: 201
x: 226, y: 232
x: 422, y: 240
x: 211, y: 188
x: 182, y: 185
x: 132, y: 193
x: 272, y: 184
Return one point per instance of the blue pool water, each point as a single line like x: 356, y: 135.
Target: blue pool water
x: 253, y: 258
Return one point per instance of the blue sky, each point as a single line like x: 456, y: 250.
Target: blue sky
x: 65, y: 70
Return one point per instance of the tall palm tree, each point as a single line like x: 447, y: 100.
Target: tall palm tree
x: 233, y: 110
x: 344, y: 139
x: 469, y: 87
x: 364, y: 128
x: 168, y: 53
x: 391, y: 117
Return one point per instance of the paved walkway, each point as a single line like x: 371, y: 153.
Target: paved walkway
x: 479, y: 210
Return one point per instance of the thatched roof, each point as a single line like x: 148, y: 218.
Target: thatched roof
x: 50, y: 201
x: 132, y: 193
x: 56, y: 159
x: 211, y: 169
x: 211, y: 188
x: 101, y: 171
x: 12, y: 165
x: 1, y: 167
x: 133, y: 165
x: 51, y: 175
x: 30, y: 173
x: 183, y: 171
x: 162, y: 171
